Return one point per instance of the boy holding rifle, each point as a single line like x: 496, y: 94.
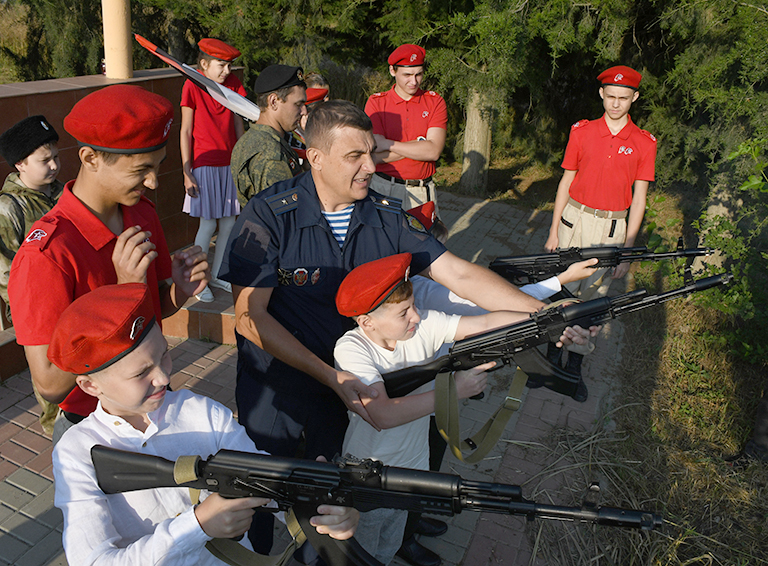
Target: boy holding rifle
x: 393, y: 334
x: 109, y: 338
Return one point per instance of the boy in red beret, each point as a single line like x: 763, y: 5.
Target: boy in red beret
x: 392, y: 333
x: 109, y: 338
x: 102, y: 231
x: 600, y: 200
x: 409, y: 126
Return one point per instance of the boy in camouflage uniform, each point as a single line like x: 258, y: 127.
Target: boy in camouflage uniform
x: 27, y: 194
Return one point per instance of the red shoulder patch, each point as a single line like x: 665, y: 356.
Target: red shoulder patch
x: 375, y: 94
x: 649, y: 135
x: 41, y: 232
x: 431, y: 93
x: 579, y: 124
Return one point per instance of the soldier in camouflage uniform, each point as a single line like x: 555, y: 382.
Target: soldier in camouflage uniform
x: 27, y: 194
x: 262, y: 156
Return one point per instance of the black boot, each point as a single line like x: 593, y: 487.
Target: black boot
x: 417, y: 555
x: 573, y: 365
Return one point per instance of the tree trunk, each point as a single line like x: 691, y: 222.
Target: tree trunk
x: 477, y: 144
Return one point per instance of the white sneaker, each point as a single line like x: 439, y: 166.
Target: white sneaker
x: 205, y: 296
x: 221, y: 284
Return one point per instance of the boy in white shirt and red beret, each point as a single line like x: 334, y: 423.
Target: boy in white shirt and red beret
x: 109, y: 338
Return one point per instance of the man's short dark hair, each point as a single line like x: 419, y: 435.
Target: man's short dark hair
x: 262, y: 100
x: 332, y: 115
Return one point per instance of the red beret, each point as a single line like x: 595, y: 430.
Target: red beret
x: 424, y: 213
x: 219, y: 49
x: 369, y: 285
x: 316, y: 95
x: 121, y: 119
x: 620, y: 76
x: 407, y: 55
x: 101, y: 327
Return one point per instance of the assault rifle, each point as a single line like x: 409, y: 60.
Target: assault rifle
x: 518, y: 341
x: 302, y: 485
x: 526, y: 269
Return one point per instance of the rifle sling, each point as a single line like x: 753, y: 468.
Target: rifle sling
x: 233, y: 553
x: 447, y: 417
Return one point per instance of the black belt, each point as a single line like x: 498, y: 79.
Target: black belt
x: 72, y: 417
x: 413, y: 182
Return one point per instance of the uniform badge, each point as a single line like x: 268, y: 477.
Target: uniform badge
x: 315, y: 276
x: 618, y: 77
x: 415, y: 224
x: 284, y: 276
x: 36, y: 235
x: 425, y: 114
x: 138, y: 326
x: 300, y: 276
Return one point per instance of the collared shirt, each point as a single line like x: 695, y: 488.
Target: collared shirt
x: 406, y: 120
x: 281, y: 240
x: 607, y: 165
x: 153, y: 526
x: 20, y: 208
x: 260, y: 159
x: 67, y: 253
x: 213, y: 126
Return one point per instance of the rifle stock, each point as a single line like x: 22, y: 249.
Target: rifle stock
x: 518, y: 342
x: 364, y: 485
x: 522, y: 270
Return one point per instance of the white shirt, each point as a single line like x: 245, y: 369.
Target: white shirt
x: 148, y: 527
x: 407, y: 445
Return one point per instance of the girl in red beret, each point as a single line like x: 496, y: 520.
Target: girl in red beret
x: 208, y: 134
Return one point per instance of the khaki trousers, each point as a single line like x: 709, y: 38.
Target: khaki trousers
x: 411, y: 195
x: 583, y: 230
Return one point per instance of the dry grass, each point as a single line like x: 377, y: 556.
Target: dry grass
x: 684, y: 401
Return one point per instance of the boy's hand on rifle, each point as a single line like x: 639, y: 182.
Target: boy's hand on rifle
x: 227, y: 518
x: 578, y: 271
x: 472, y: 382
x: 577, y: 335
x: 336, y: 522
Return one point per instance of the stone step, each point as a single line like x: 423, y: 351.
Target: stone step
x: 213, y: 322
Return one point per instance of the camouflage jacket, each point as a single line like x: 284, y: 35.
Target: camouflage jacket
x: 260, y: 159
x: 20, y: 207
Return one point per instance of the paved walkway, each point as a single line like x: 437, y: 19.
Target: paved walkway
x: 30, y: 527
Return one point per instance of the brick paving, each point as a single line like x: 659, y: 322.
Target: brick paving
x: 30, y: 527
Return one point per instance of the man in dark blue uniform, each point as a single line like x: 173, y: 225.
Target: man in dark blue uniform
x: 292, y: 246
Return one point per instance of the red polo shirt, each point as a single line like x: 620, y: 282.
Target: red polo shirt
x: 68, y: 253
x: 213, y: 127
x: 406, y: 120
x: 607, y: 165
